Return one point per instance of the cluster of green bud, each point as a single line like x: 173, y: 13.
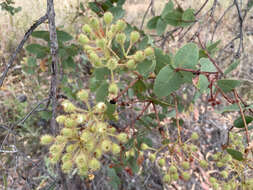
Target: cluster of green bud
x: 84, y: 137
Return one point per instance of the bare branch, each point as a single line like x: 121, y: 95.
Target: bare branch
x: 20, y: 46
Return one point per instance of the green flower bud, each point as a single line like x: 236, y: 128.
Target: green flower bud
x: 98, y: 153
x: 220, y: 164
x: 83, y: 39
x: 173, y: 169
x: 212, y: 180
x: 67, y: 166
x: 83, y: 170
x: 152, y: 157
x: 83, y: 95
x: 86, y: 29
x: 81, y: 160
x: 59, y: 139
x: 88, y: 48
x: 94, y: 57
x: 149, y: 51
x: 193, y: 148
x: 101, y: 127
x: 134, y: 36
x: 131, y: 64
x: 114, y: 29
x: 54, y: 158
x: 121, y: 38
x: 90, y: 145
x: 112, y: 64
x: 144, y: 146
x: 185, y: 165
x: 175, y: 176
x: 106, y: 145
x: 111, y: 130
x: 81, y: 118
x: 68, y: 106
x: 113, y: 89
x: 101, y: 43
x: 166, y: 178
x: 203, y: 164
x: 66, y: 157
x: 108, y: 17
x: 224, y: 174
x: 115, y: 149
x: 69, y: 123
x: 186, y: 176
x: 227, y: 158
x: 122, y: 137
x: 55, y: 149
x: 110, y: 34
x: 161, y: 162
x: 121, y: 25
x: 139, y: 56
x: 215, y: 186
x: 86, y: 136
x: 61, y: 119
x: 194, y: 136
x: 101, y: 107
x: 71, y: 148
x: 94, y: 23
x: 94, y: 164
x: 67, y: 132
x: 46, y: 139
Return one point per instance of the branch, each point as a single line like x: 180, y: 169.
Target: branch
x: 54, y: 64
x: 20, y: 46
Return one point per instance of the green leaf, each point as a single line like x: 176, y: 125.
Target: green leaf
x: 63, y: 36
x: 101, y: 73
x: 153, y: 22
x: 42, y: 34
x: 160, y: 27
x: 37, y: 49
x: 114, y: 180
x: 188, y: 17
x: 161, y: 60
x: 167, y: 81
x: 228, y: 85
x: 94, y: 7
x: 232, y: 67
x: 117, y: 12
x: 187, y: 56
x: 69, y: 63
x: 207, y: 65
x: 110, y: 110
x: 102, y: 92
x: 173, y: 18
x: 146, y: 67
x: 238, y: 123
x: 249, y: 4
x: 202, y: 83
x: 235, y: 154
x: 167, y: 8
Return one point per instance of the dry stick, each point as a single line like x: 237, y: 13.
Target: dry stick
x: 243, y: 117
x: 240, y: 27
x: 177, y: 121
x: 20, y: 46
x: 145, y: 14
x: 54, y: 64
x: 54, y: 78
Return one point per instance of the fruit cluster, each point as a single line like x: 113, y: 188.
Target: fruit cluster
x: 84, y: 137
x: 97, y: 40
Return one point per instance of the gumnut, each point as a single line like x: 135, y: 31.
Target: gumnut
x: 112, y: 64
x: 86, y: 29
x: 83, y: 95
x: 131, y: 64
x: 139, y: 56
x: 149, y: 51
x: 134, y: 36
x: 46, y: 139
x: 122, y: 137
x: 108, y: 17
x: 83, y: 39
x: 113, y: 89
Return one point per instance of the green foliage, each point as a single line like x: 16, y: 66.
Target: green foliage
x: 7, y: 6
x: 235, y: 154
x: 238, y: 123
x: 227, y: 85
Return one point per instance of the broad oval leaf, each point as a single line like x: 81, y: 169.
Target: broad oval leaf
x: 152, y: 22
x: 167, y: 8
x: 227, y: 85
x: 207, y: 65
x: 167, y: 81
x: 187, y: 56
x: 238, y: 123
x: 202, y: 83
x: 232, y: 67
x: 160, y: 27
x: 146, y: 67
x: 235, y: 154
x: 37, y: 49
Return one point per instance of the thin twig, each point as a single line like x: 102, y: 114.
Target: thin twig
x: 177, y: 120
x: 240, y: 28
x: 20, y: 46
x: 243, y: 117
